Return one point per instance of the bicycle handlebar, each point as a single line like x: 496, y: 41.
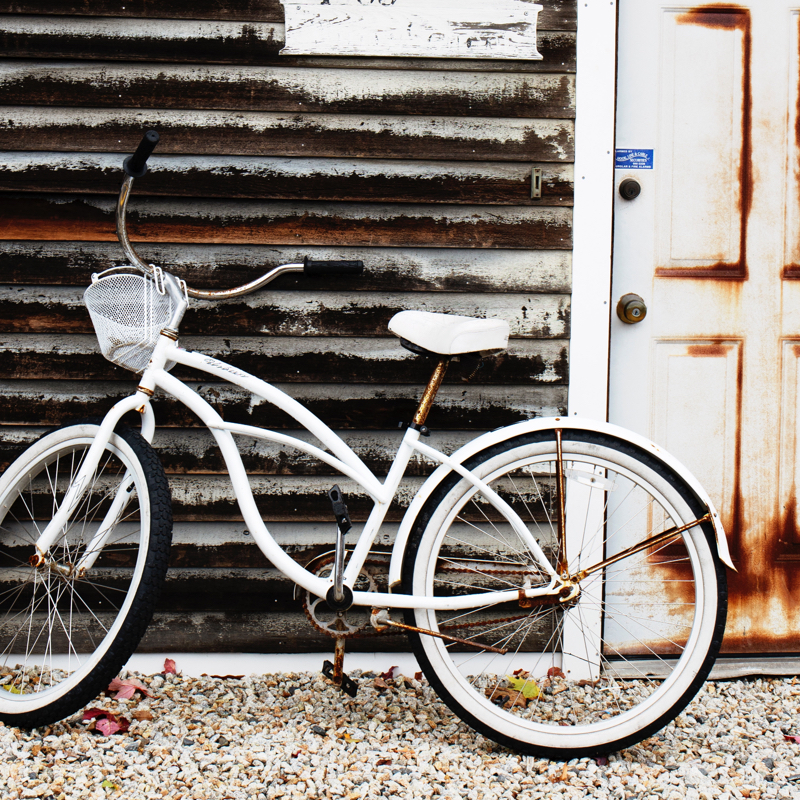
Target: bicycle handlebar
x: 135, y: 166
x: 311, y: 267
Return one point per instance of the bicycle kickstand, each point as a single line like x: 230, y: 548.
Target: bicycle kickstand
x: 337, y: 596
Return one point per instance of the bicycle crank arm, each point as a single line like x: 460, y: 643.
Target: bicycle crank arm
x: 380, y: 619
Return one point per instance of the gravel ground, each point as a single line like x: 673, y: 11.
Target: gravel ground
x: 293, y: 735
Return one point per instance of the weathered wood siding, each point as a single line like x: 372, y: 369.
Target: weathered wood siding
x: 419, y: 167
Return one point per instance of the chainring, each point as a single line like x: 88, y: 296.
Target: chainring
x: 348, y: 624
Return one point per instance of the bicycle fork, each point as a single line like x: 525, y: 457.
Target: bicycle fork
x: 83, y: 481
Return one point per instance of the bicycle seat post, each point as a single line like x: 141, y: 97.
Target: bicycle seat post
x: 429, y: 395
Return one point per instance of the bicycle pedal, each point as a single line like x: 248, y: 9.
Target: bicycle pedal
x: 348, y: 685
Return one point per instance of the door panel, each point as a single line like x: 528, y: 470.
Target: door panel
x: 710, y: 370
x: 712, y: 244
x: 702, y: 106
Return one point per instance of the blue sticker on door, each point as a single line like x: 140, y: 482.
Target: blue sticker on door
x: 633, y: 159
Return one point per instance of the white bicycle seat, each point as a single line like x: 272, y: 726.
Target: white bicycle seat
x: 450, y: 334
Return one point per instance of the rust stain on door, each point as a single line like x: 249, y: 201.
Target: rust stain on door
x: 792, y: 271
x: 727, y: 17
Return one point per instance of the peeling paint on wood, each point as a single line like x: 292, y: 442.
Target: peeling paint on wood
x: 494, y: 183
x: 91, y: 218
x: 292, y: 89
x: 223, y: 266
x: 195, y: 451
x: 460, y: 29
x: 141, y: 39
x: 288, y: 313
x: 354, y: 406
x: 420, y: 167
x: 202, y: 497
x: 556, y: 14
x: 211, y: 498
x: 269, y: 10
x: 221, y: 632
x: 201, y: 132
x: 225, y: 42
x: 287, y: 359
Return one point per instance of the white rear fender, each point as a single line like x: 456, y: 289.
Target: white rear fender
x: 544, y: 424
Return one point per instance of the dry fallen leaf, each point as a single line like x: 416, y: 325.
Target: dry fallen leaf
x: 509, y: 697
x: 142, y: 714
x: 125, y: 689
x: 105, y: 722
x: 527, y: 686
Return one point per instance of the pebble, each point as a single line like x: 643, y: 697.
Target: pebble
x: 295, y: 736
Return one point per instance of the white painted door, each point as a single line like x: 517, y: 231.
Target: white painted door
x: 712, y: 245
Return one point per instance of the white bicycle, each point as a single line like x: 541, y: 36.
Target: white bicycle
x: 560, y: 580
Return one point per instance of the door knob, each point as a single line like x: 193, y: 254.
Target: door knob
x: 631, y: 308
x: 629, y: 189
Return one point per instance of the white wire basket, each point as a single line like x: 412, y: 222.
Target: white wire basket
x: 128, y: 313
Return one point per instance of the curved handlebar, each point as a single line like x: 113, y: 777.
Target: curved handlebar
x: 135, y: 166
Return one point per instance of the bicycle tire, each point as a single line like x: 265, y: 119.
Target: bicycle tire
x: 618, y: 663
x: 64, y: 636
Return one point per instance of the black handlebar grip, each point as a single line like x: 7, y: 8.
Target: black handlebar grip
x: 136, y: 165
x: 311, y: 267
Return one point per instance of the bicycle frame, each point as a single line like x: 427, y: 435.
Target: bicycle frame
x: 341, y: 458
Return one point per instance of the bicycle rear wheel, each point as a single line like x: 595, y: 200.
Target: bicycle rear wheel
x: 65, y: 632
x: 590, y: 674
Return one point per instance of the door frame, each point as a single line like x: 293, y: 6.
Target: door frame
x: 595, y: 106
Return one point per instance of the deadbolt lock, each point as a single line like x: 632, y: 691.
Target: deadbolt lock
x: 629, y: 189
x: 631, y: 308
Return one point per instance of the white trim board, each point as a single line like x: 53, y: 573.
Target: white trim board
x: 593, y: 213
x: 196, y: 664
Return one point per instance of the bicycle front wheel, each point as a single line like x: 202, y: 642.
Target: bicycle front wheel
x: 68, y: 626
x: 586, y: 672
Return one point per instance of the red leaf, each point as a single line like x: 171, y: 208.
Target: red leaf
x: 125, y: 689
x: 107, y: 726
x: 389, y: 674
x: 169, y: 667
x: 555, y: 672
x: 107, y: 723
x: 418, y: 676
x: 602, y: 761
x: 791, y: 738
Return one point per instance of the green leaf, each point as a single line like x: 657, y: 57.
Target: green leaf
x: 107, y: 784
x: 528, y: 686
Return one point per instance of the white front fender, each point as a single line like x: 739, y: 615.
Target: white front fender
x: 543, y: 424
